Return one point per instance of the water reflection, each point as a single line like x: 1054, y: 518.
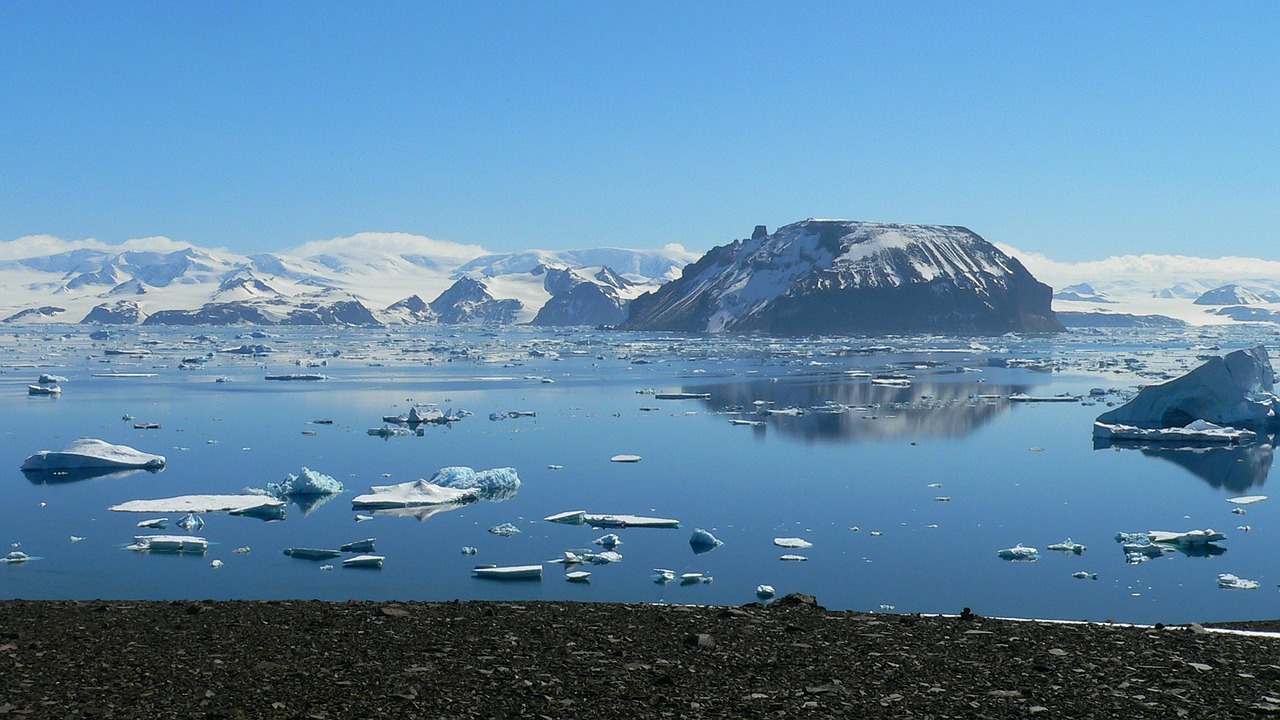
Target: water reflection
x: 72, y: 475
x: 1236, y: 467
x: 841, y: 408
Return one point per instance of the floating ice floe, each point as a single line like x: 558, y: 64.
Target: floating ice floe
x: 764, y: 592
x: 1190, y: 538
x: 367, y: 545
x: 92, y: 453
x: 388, y: 432
x: 44, y: 390
x: 582, y: 517
x: 749, y: 423
x: 1197, y: 432
x: 1068, y: 546
x: 364, y: 561
x: 625, y: 459
x: 511, y: 572
x: 1235, y: 390
x: 792, y: 542
x: 47, y: 379
x: 663, y: 576
x: 154, y: 523
x: 251, y: 505
x: 1246, y: 500
x: 411, y: 494
x: 290, y: 377
x: 496, y: 484
x: 14, y: 557
x: 793, y: 558
x: 311, y: 553
x: 170, y: 543
x: 703, y: 541
x: 695, y: 578
x: 578, y: 576
x: 609, y: 541
x: 1228, y: 581
x: 1082, y: 575
x: 1019, y: 553
x: 504, y: 530
x: 1025, y: 398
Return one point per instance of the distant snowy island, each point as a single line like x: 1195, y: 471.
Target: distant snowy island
x: 810, y: 277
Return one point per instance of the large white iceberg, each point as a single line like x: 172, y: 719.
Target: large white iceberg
x: 1235, y: 390
x: 496, y: 484
x: 92, y: 453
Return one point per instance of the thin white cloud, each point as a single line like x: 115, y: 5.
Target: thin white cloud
x: 393, y: 242
x: 30, y: 246
x: 1158, y: 270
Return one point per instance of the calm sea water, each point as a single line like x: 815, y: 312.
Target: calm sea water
x: 851, y: 475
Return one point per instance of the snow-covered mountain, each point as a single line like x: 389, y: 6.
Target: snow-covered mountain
x: 1231, y: 294
x: 364, y: 279
x: 838, y: 276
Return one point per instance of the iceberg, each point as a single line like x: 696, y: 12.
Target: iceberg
x: 703, y: 542
x: 241, y: 504
x: 16, y: 556
x: 764, y: 592
x: 1236, y: 390
x: 609, y: 541
x: 792, y: 543
x: 306, y: 482
x: 92, y: 453
x: 505, y: 530
x: 1191, y: 538
x: 1068, y: 546
x: 1197, y: 432
x: 497, y: 484
x: 1019, y: 553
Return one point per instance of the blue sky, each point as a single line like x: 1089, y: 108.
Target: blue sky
x: 1073, y: 129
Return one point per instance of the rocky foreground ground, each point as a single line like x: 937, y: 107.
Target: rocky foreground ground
x: 302, y: 659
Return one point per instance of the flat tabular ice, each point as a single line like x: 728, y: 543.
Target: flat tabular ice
x: 1235, y: 390
x: 792, y: 542
x: 625, y: 459
x: 92, y: 453
x: 242, y: 504
x: 1246, y: 499
x: 1068, y: 546
x: 1197, y: 432
x: 170, y: 543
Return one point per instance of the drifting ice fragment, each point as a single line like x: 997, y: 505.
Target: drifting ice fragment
x: 468, y: 550
x: 156, y: 523
x: 1082, y: 575
x: 578, y: 576
x: 504, y: 530
x: 191, y: 523
x: 1197, y: 432
x: 794, y: 558
x: 360, y: 546
x: 792, y: 542
x: 764, y: 592
x: 363, y: 518
x: 609, y: 541
x: 513, y: 572
x: 496, y: 484
x: 364, y: 561
x: 1231, y: 582
x: 311, y: 553
x: 1019, y: 553
x: 411, y: 494
x: 92, y: 453
x: 200, y: 504
x: 694, y: 578
x: 702, y: 541
x: 606, y: 557
x: 1247, y: 499
x: 170, y: 543
x: 216, y: 564
x: 1068, y: 546
x: 1191, y: 538
x: 17, y: 556
x: 625, y: 459
x: 663, y: 576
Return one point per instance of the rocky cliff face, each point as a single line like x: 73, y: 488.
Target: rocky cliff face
x: 469, y: 301
x: 838, y: 276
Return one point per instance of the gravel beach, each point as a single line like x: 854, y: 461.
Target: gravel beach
x: 307, y: 659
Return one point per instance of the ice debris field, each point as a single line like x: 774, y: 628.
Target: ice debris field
x: 920, y: 474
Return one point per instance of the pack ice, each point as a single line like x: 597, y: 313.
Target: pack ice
x: 1235, y: 390
x: 450, y: 485
x: 92, y: 453
x: 306, y: 482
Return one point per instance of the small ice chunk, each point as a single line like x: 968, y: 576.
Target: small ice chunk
x: 170, y: 543
x: 1068, y: 546
x: 1019, y: 553
x: 504, y: 530
x: 326, y: 568
x: 241, y: 550
x: 578, y: 576
x: 703, y: 541
x: 794, y: 558
x: 154, y: 523
x: 363, y: 518
x: 764, y: 592
x: 934, y: 486
x: 606, y: 557
x: 216, y: 564
x: 1082, y: 575
x: 1238, y: 511
x: 625, y: 459
x: 360, y: 546
x: 1228, y: 581
x: 468, y: 550
x: 663, y: 576
x: 693, y: 578
x: 364, y: 561
x: 191, y: 522
x: 793, y: 543
x: 76, y: 538
x: 17, y: 556
x: 1247, y: 499
x: 609, y: 541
